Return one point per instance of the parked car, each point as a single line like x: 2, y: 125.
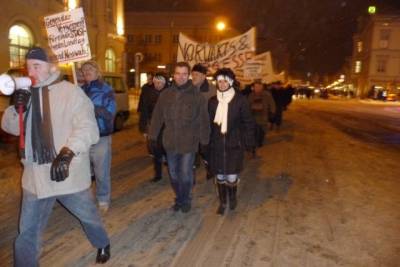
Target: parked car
x: 118, y: 83
x: 391, y: 97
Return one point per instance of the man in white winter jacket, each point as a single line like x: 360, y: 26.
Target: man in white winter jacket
x: 60, y: 127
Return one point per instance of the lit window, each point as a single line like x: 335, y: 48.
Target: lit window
x: 20, y: 41
x: 359, y: 46
x: 357, y: 68
x: 110, y: 65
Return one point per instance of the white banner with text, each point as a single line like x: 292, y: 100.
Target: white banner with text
x: 229, y: 53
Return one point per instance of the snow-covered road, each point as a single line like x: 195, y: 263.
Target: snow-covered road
x: 323, y: 191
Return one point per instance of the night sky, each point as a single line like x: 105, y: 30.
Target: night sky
x: 316, y: 33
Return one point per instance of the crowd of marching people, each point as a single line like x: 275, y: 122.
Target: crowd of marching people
x: 68, y: 135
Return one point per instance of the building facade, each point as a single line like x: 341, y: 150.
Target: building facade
x: 21, y: 26
x: 376, y: 57
x: 156, y: 36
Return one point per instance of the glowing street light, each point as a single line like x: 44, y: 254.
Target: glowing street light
x: 220, y: 26
x: 72, y: 4
x: 372, y: 9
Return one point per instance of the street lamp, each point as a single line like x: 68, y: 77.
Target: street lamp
x: 220, y: 26
x: 72, y: 4
x: 372, y: 10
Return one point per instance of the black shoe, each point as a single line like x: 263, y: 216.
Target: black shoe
x: 222, y: 198
x: 186, y: 207
x: 232, y: 189
x: 103, y: 255
x: 232, y: 204
x: 176, y: 207
x: 221, y: 209
x: 156, y: 179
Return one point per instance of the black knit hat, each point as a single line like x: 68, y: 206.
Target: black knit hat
x: 37, y: 53
x: 200, y: 68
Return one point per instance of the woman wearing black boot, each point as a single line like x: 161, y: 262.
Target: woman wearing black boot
x: 232, y: 132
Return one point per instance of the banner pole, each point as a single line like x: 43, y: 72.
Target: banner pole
x: 74, y: 73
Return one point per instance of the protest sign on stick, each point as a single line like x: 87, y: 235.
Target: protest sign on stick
x: 67, y: 35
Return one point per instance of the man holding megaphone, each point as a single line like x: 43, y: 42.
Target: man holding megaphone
x: 60, y: 128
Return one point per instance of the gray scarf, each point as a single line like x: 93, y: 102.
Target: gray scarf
x: 42, y: 135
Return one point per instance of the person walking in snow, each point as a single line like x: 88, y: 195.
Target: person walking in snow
x: 232, y: 132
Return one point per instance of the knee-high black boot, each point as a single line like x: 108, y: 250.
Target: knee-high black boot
x: 232, y: 188
x: 222, y: 198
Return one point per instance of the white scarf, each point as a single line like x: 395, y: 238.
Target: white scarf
x: 221, y: 115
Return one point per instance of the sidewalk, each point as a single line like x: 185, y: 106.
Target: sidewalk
x: 379, y: 102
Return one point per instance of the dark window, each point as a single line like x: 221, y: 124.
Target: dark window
x: 110, y: 11
x: 381, y: 65
x: 157, y: 39
x: 175, y: 38
x: 384, y: 37
x: 130, y: 38
x: 148, y: 38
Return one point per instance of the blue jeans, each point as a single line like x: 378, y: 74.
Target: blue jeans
x: 35, y: 214
x: 181, y: 174
x: 100, y: 158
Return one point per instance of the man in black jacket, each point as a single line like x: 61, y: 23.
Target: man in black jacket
x: 146, y: 87
x: 182, y: 111
x: 149, y: 100
x: 207, y: 90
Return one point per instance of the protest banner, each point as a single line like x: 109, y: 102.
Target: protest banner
x: 259, y: 67
x: 67, y: 36
x: 229, y: 53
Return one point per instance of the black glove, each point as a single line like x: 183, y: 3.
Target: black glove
x: 21, y: 98
x: 203, y: 151
x: 101, y: 112
x: 153, y: 146
x: 60, y: 166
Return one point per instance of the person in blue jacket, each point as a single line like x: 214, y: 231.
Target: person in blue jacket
x: 102, y: 96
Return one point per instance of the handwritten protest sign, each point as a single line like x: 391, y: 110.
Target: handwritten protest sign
x: 259, y: 67
x: 67, y: 36
x: 229, y: 53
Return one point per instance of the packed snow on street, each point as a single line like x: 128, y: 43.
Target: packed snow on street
x: 324, y: 190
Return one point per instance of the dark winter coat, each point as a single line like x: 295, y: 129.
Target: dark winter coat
x: 207, y: 90
x: 226, y: 151
x: 279, y: 98
x: 149, y: 98
x: 184, y: 114
x: 103, y: 98
x: 146, y: 87
x: 262, y: 106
